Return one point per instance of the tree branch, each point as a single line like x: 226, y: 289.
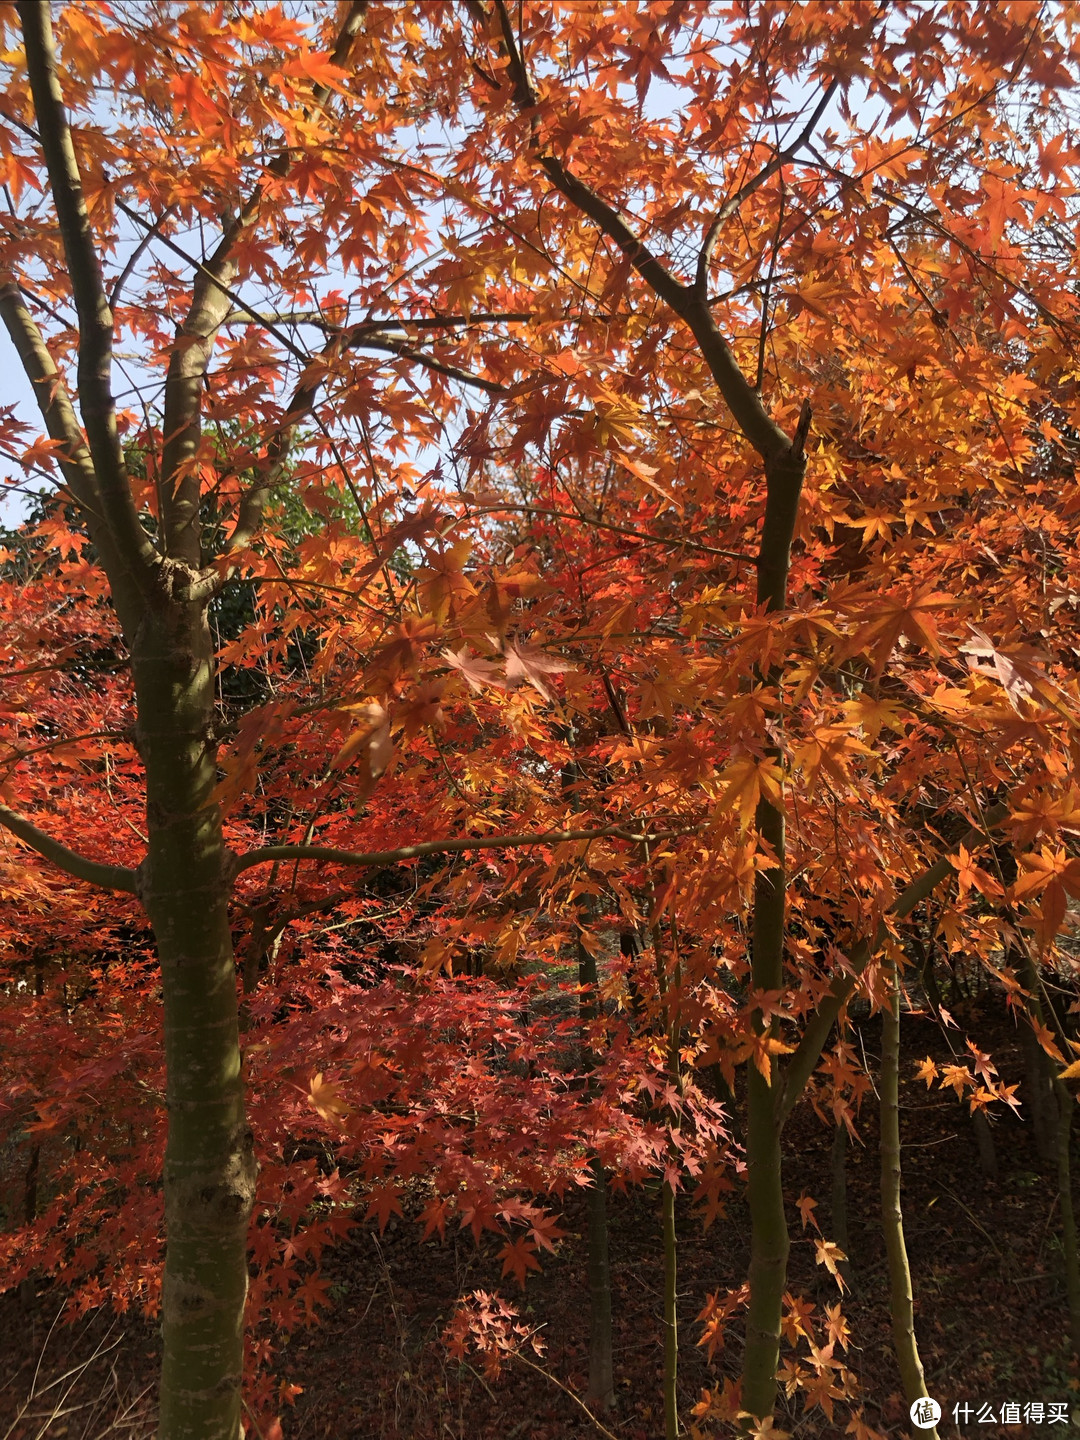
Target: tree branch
x: 96, y: 401
x: 189, y: 361
x: 75, y: 461
x: 808, y: 1052
x: 576, y: 191
x: 108, y: 877
x: 378, y: 327
x: 253, y: 502
x: 429, y: 362
x: 683, y: 542
x: 50, y: 392
x: 729, y: 207
x: 767, y: 438
x: 211, y: 302
x: 249, y: 516
x: 136, y: 255
x: 324, y: 855
x: 201, y: 269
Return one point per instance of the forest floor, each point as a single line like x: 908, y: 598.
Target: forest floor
x: 985, y: 1257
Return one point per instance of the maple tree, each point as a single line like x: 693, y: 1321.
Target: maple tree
x: 490, y: 517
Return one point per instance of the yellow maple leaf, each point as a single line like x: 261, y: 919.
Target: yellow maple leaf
x: 326, y: 1098
x: 747, y: 780
x: 830, y: 1255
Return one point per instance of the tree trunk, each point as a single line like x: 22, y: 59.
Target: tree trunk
x: 601, y: 1392
x: 785, y: 466
x: 769, y: 1233
x: 27, y: 1287
x: 670, y: 993
x: 838, y: 1198
x: 209, y: 1160
x: 1063, y: 1133
x: 768, y: 1249
x: 901, y: 1304
x: 1068, y: 1212
x: 1039, y: 1094
x: 671, y: 1314
x: 984, y: 1140
x: 927, y: 972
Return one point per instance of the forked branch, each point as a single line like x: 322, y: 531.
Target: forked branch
x: 733, y: 202
x: 767, y: 438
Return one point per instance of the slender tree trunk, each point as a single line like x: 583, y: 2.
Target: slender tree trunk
x: 769, y: 1233
x: 901, y: 1304
x: 984, y: 1141
x: 30, y: 1186
x: 669, y: 988
x: 1068, y: 1213
x: 209, y: 1159
x: 1039, y: 1094
x: 838, y: 1198
x: 769, y: 1241
x: 601, y: 1392
x: 769, y: 1245
x: 1063, y: 1132
x: 27, y: 1287
x: 927, y: 973
x: 785, y: 466
x: 671, y: 1313
x: 628, y: 948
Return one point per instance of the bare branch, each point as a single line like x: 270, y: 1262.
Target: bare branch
x: 451, y: 322
x: 18, y: 755
x: 108, y: 877
x: 136, y: 255
x: 267, y: 322
x: 378, y: 327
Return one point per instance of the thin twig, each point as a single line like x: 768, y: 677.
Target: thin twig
x: 576, y: 1398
